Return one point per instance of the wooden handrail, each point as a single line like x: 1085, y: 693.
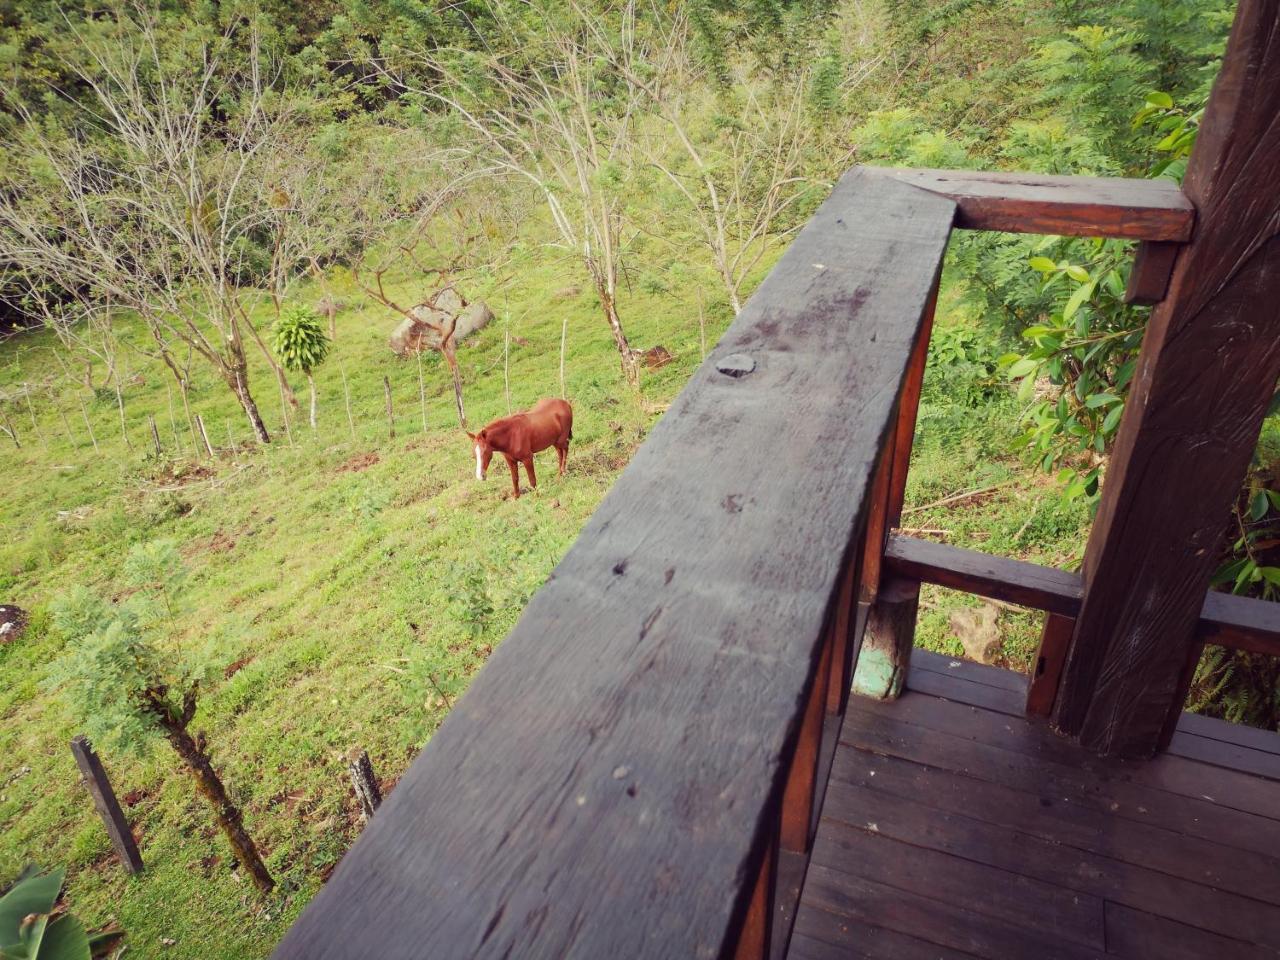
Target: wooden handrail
x: 613, y: 782
x: 1241, y: 623
x: 1072, y: 206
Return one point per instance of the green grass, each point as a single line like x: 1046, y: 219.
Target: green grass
x: 351, y: 587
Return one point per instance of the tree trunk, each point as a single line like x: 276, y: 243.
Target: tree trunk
x: 239, y: 386
x: 630, y: 362
x: 451, y: 357
x: 311, y: 384
x: 275, y: 367
x: 225, y: 812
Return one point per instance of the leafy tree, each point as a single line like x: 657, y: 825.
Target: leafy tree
x: 302, y: 345
x: 129, y: 689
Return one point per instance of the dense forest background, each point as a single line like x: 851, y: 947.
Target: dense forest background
x: 207, y: 209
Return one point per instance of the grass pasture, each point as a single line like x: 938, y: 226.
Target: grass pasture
x: 350, y: 586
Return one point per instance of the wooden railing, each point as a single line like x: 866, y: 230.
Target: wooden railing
x: 638, y: 769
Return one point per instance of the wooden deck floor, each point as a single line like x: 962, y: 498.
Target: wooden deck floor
x: 954, y: 827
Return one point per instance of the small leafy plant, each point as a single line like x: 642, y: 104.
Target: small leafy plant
x: 31, y: 928
x: 302, y: 345
x: 128, y: 690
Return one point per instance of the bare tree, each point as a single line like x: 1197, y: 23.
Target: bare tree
x: 151, y: 198
x: 565, y: 122
x: 740, y: 174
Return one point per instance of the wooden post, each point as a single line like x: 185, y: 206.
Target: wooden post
x: 391, y: 416
x: 798, y: 797
x: 564, y: 333
x: 1152, y: 268
x: 422, y: 392
x: 1206, y: 374
x: 756, y: 935
x: 346, y: 396
x: 88, y: 426
x: 877, y: 528
x: 904, y: 433
x: 845, y: 637
x: 1055, y: 641
x: 66, y: 425
x: 11, y: 431
x: 204, y: 435
x: 364, y: 782
x: 35, y: 424
x: 104, y: 801
x: 881, y: 670
x: 155, y: 434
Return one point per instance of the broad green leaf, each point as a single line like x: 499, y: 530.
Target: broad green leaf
x: 1023, y: 367
x: 1078, y: 273
x: 65, y: 939
x: 1270, y: 574
x: 1083, y: 293
x: 1026, y: 389
x: 1274, y: 497
x: 1097, y: 400
x: 1032, y: 333
x: 35, y: 895
x: 1158, y: 98
x: 1112, y: 419
x: 1043, y: 264
x: 1258, y: 505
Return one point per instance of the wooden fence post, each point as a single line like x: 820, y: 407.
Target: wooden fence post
x: 1208, y: 368
x: 204, y: 435
x: 155, y: 433
x: 391, y: 417
x: 105, y: 802
x: 364, y: 782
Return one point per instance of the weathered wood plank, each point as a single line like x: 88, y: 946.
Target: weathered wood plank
x: 1214, y: 729
x: 1055, y: 813
x: 1136, y: 935
x: 868, y: 902
x: 606, y: 786
x: 1206, y: 374
x: 1072, y: 206
x: 995, y: 845
x: 983, y: 673
x: 1013, y: 581
x: 1242, y: 623
x: 1009, y: 702
x: 1049, y: 910
x: 867, y: 728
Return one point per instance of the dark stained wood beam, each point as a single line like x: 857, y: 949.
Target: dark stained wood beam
x: 1242, y: 623
x: 1206, y: 374
x: 1013, y: 581
x: 1070, y: 206
x: 612, y: 781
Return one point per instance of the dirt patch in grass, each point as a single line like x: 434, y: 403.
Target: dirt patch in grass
x: 362, y: 461
x: 235, y: 667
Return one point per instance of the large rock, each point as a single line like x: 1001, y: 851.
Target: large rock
x: 432, y: 320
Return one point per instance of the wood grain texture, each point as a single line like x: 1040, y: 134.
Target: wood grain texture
x: 1014, y: 581
x: 1152, y: 268
x: 1242, y: 623
x: 1207, y: 370
x: 964, y: 830
x: 1072, y: 206
x: 608, y: 784
x: 1055, y: 641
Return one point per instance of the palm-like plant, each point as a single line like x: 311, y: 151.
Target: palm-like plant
x: 302, y: 345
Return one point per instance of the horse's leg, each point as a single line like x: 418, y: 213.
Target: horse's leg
x: 562, y: 451
x: 515, y: 475
x: 528, y: 468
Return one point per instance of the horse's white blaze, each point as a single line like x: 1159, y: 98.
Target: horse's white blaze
x: 479, y: 475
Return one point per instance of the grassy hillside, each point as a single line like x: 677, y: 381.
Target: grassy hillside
x: 351, y: 587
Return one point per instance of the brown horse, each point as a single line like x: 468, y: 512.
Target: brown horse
x: 549, y: 423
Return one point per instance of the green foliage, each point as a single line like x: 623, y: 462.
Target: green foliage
x: 117, y: 678
x: 962, y: 365
x: 31, y: 930
x: 299, y: 341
